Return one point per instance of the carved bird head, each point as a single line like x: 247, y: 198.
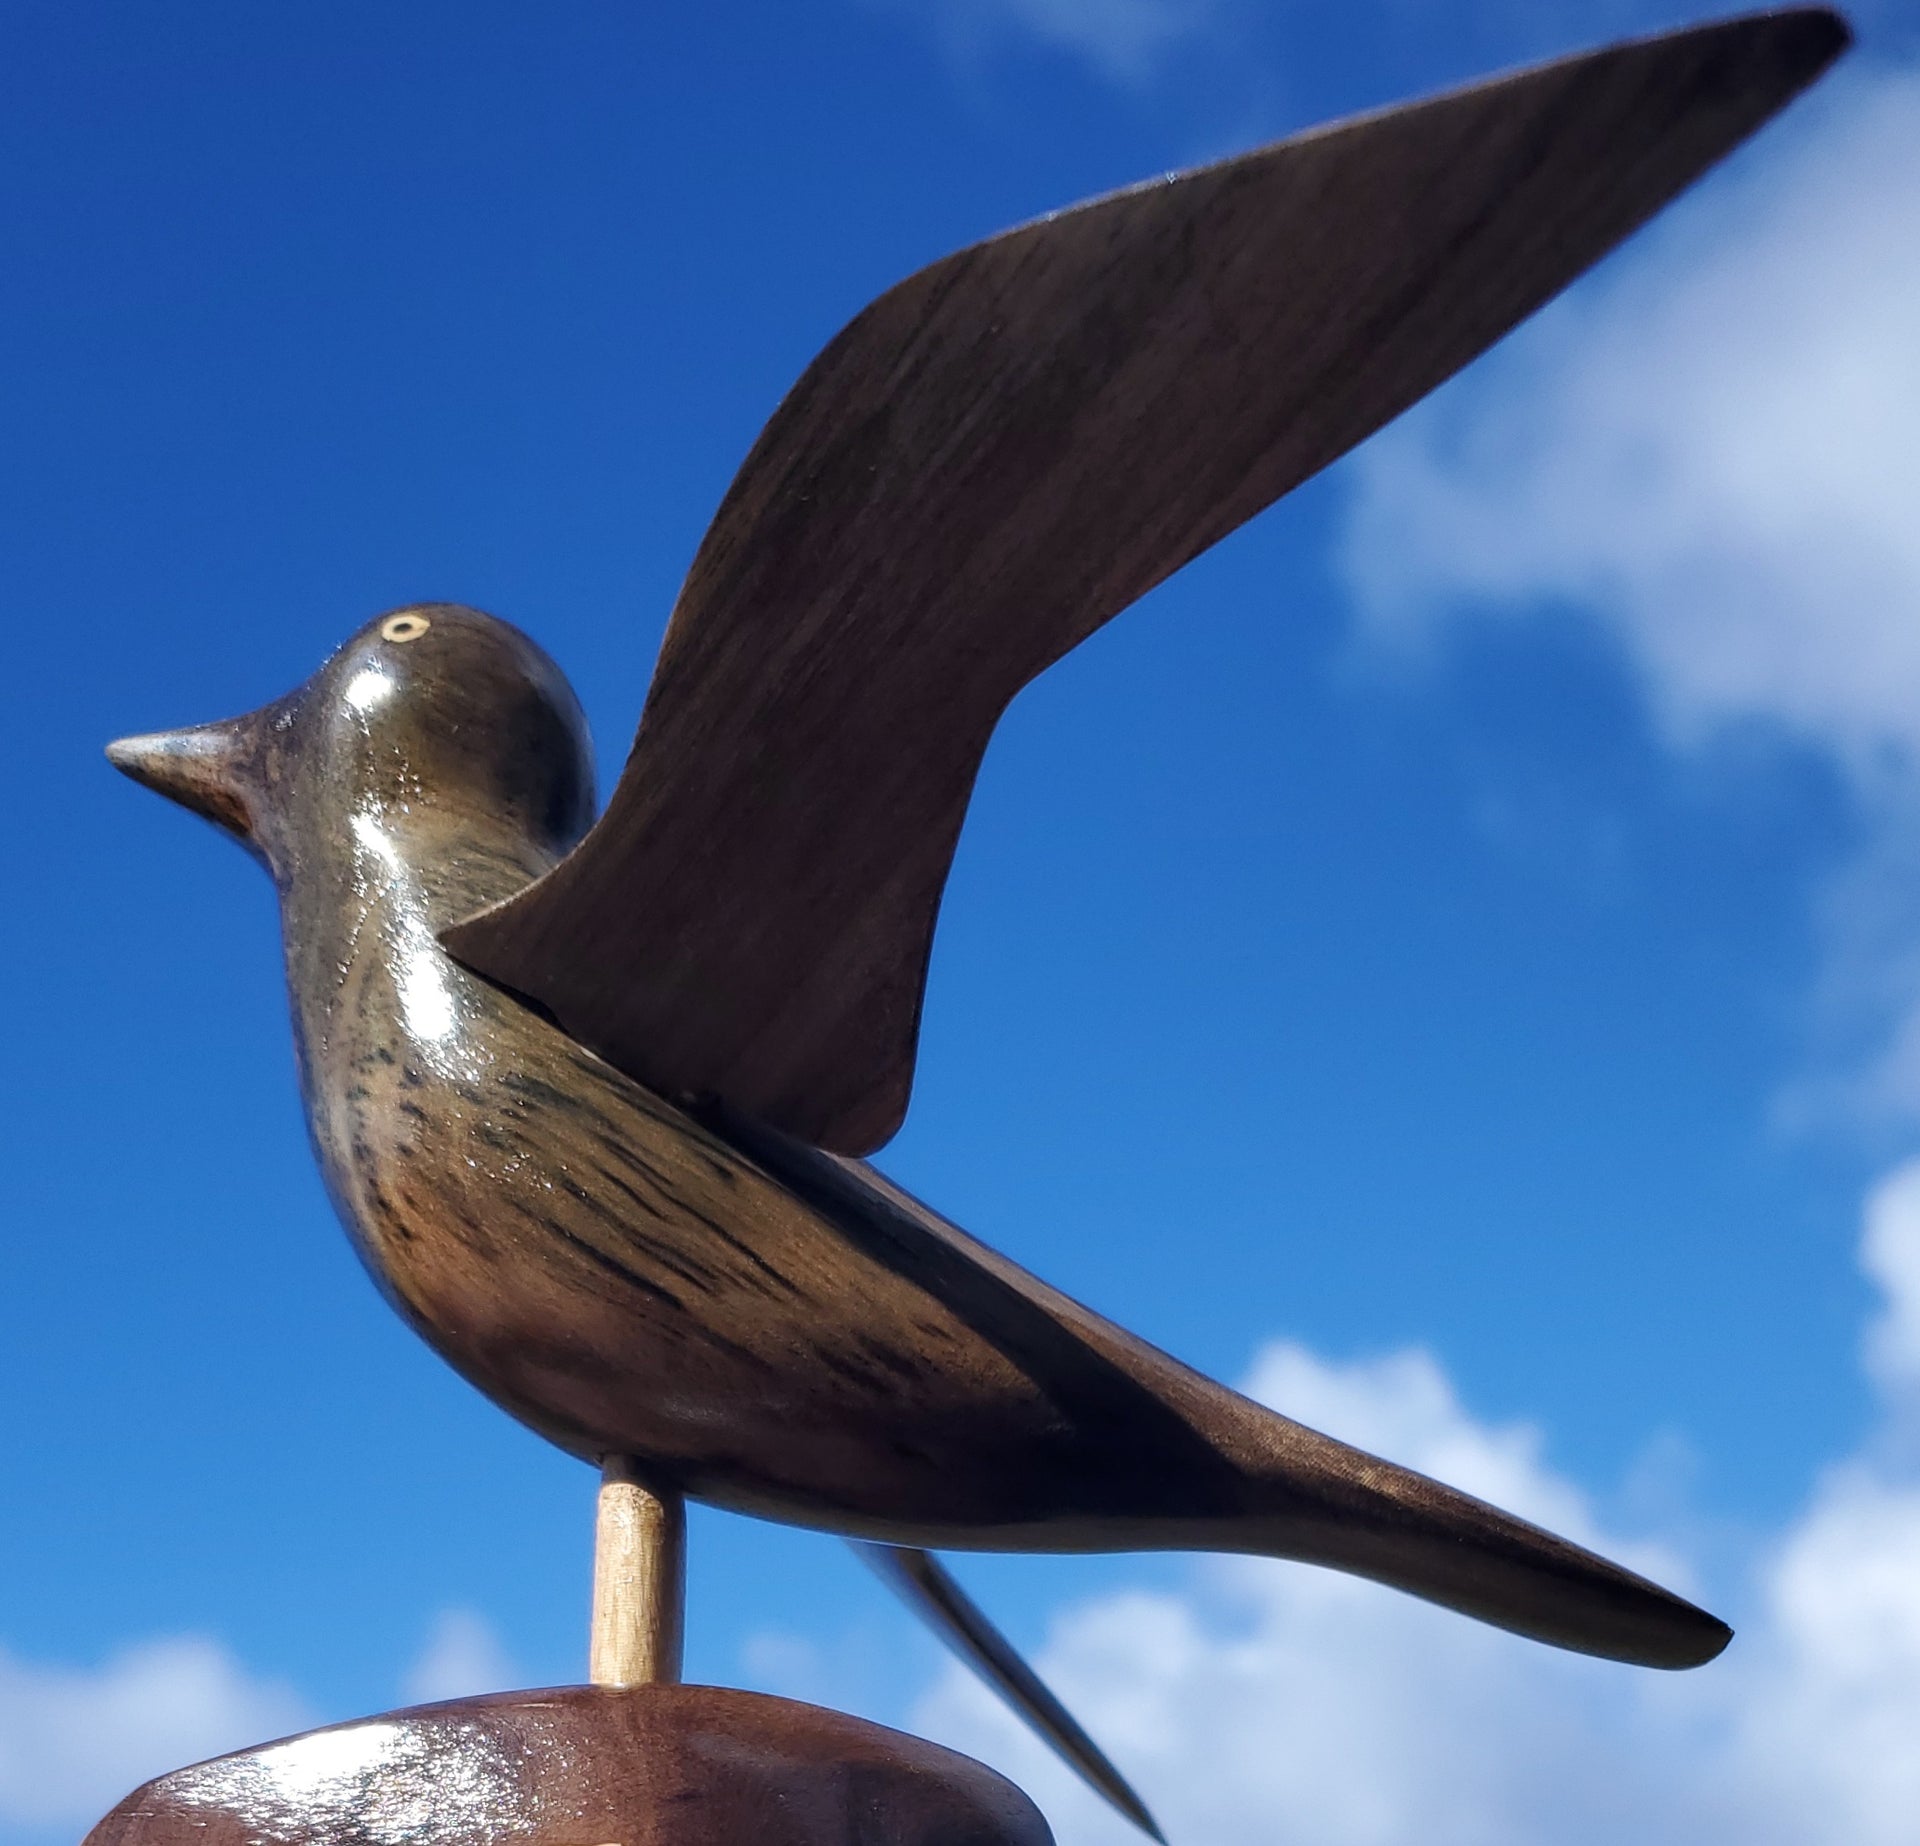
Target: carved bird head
x: 436, y: 719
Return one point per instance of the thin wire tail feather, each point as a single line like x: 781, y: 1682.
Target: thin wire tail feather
x: 923, y: 1583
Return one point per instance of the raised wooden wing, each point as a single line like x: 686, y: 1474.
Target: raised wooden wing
x: 995, y: 458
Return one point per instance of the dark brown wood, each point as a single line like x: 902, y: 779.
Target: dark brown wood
x: 995, y: 458
x: 752, y: 1321
x: 928, y: 1588
x: 582, y: 1765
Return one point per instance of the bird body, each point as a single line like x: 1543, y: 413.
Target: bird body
x: 765, y: 1326
x: 589, y: 1094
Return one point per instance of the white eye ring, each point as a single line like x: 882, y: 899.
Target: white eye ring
x: 404, y: 627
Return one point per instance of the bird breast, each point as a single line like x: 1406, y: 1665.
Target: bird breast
x: 598, y: 1263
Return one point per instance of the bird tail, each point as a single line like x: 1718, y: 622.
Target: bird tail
x: 1287, y: 1491
x: 1166, y: 1459
x: 1320, y: 1501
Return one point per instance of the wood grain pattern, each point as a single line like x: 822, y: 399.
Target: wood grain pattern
x: 756, y: 1323
x: 586, y: 1766
x: 639, y: 1580
x: 992, y: 460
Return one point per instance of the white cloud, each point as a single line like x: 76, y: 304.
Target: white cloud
x: 1122, y: 39
x: 1824, y: 1732
x: 1891, y: 1256
x: 788, y: 1664
x: 1128, y: 40
x: 1404, y: 1405
x: 1716, y: 453
x: 1713, y: 451
x: 1276, y: 1704
x: 463, y: 1657
x: 74, y: 1740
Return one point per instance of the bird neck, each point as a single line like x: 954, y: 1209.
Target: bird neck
x: 361, y: 914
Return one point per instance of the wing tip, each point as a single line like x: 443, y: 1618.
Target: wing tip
x: 1615, y: 1614
x: 1702, y: 1638
x: 1809, y: 40
x: 1824, y: 31
x: 1804, y: 39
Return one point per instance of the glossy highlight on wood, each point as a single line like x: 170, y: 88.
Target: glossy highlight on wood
x: 752, y: 1321
x: 995, y: 458
x: 586, y: 1766
x: 588, y: 1096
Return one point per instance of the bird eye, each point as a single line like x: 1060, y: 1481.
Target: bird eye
x: 404, y: 627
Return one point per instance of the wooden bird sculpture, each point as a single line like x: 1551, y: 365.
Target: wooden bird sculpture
x: 590, y: 1097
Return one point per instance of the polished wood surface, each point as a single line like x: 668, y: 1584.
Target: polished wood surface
x: 753, y: 1321
x: 601, y: 1154
x: 995, y: 458
x: 639, y: 1580
x: 928, y: 1588
x: 586, y: 1766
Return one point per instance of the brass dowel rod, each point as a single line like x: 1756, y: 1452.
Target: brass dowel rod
x: 639, y: 1580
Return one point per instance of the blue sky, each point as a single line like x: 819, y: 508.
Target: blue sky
x: 1450, y: 959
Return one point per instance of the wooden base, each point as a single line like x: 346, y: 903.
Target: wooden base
x: 655, y: 1765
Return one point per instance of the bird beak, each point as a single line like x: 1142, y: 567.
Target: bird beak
x: 203, y: 768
